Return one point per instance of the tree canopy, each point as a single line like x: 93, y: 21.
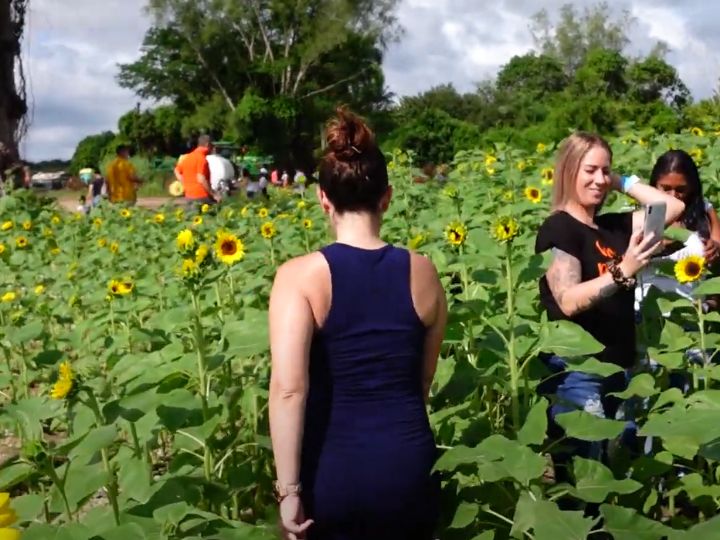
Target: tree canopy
x: 268, y: 73
x: 264, y: 71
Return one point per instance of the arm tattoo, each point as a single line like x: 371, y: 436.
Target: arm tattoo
x: 565, y: 273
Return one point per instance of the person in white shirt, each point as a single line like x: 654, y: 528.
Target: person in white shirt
x: 676, y: 173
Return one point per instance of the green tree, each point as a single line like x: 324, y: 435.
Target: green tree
x: 574, y: 34
x: 91, y: 150
x: 269, y: 71
x: 653, y: 79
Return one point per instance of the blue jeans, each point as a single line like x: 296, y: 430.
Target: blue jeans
x: 577, y: 391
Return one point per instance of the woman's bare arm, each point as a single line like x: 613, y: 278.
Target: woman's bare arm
x: 431, y: 306
x: 291, y: 330
x: 645, y: 194
x: 572, y: 295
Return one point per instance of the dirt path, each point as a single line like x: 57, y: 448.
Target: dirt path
x: 71, y: 204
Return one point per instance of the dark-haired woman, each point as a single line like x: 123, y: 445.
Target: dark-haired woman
x: 351, y: 437
x: 675, y: 173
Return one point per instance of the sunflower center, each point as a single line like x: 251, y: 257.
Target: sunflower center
x: 228, y: 247
x: 692, y: 269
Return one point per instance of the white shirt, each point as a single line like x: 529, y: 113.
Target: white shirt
x: 220, y: 169
x: 649, y: 276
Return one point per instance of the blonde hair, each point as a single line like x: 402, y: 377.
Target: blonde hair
x: 567, y: 165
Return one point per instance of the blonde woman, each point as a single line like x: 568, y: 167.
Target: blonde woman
x: 355, y: 332
x: 591, y: 279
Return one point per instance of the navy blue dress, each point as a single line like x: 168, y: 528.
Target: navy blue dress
x: 368, y: 449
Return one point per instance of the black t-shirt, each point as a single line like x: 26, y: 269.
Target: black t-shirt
x: 612, y: 320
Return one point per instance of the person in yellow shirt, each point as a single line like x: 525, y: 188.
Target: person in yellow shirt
x: 122, y: 180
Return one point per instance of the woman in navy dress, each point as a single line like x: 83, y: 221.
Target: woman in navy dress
x: 355, y: 332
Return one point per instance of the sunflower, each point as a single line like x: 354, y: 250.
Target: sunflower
x: 456, y: 233
x: 490, y: 159
x: 64, y: 384
x: 263, y: 213
x: 244, y: 211
x: 97, y: 222
x: 697, y: 154
x: 27, y: 224
x: 301, y: 205
x: 307, y: 223
x: 533, y: 194
x: 547, y: 175
x: 159, y: 218
x: 642, y: 142
x: 47, y: 233
x: 7, y: 225
x: 189, y: 268
x: 114, y: 247
x: 540, y: 148
x: 229, y: 249
x: 8, y: 297
x: 697, y: 132
x: 114, y: 286
x: 201, y: 253
x: 451, y: 192
x: 8, y: 516
x: 56, y: 220
x: 176, y: 189
x: 521, y: 165
x: 205, y: 208
x: 416, y: 241
x: 509, y: 196
x: 197, y: 221
x: 39, y: 289
x: 55, y: 251
x: 2, y: 248
x: 284, y: 215
x: 268, y: 230
x: 102, y: 242
x: 229, y: 213
x: 125, y: 213
x: 21, y: 242
x: 179, y: 214
x: 689, y: 269
x: 125, y: 287
x: 505, y: 229
x: 185, y: 240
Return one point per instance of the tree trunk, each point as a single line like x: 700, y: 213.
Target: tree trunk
x: 11, y: 105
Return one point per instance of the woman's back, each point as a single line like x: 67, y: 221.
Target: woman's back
x: 368, y: 448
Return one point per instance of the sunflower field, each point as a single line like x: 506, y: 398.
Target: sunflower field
x: 135, y: 367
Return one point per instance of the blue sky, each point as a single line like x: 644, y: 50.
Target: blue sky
x: 72, y: 49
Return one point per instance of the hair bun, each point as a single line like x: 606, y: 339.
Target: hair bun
x: 348, y: 136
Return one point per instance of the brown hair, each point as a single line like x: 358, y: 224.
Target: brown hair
x: 567, y: 165
x: 353, y: 172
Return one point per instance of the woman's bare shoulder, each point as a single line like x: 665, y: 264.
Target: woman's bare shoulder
x: 302, y: 268
x: 423, y: 268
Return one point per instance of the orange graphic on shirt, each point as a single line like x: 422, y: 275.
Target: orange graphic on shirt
x: 608, y: 253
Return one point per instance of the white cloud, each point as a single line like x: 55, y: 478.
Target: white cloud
x: 72, y: 49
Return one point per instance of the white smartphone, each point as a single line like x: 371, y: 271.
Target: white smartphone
x: 654, y: 220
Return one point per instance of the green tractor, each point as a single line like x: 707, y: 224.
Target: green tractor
x: 239, y: 156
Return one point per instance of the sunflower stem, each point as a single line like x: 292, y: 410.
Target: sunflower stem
x: 512, y: 360
x: 203, y: 381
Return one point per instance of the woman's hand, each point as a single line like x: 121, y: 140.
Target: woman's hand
x: 292, y: 518
x: 638, y: 253
x: 712, y: 251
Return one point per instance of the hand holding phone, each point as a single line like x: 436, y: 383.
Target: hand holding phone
x: 654, y: 224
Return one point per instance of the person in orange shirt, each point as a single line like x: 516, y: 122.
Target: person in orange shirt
x: 194, y: 172
x: 121, y: 178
